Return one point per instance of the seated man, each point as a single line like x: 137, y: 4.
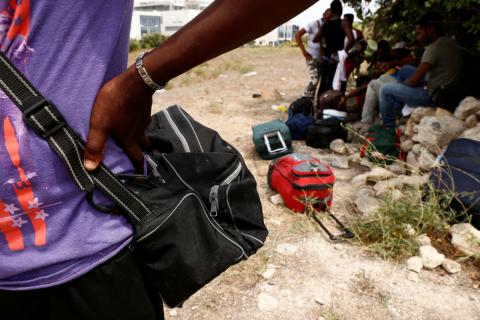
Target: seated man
x: 398, y: 57
x: 441, y: 66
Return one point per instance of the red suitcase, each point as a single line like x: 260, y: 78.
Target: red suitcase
x: 300, y: 178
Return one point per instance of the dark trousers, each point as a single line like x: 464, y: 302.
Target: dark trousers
x: 114, y: 290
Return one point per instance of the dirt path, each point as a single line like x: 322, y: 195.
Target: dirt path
x: 299, y: 274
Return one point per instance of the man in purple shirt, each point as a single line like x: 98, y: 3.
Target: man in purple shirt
x: 59, y: 257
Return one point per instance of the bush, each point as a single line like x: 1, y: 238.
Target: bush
x: 133, y: 45
x: 151, y: 40
x: 392, y: 229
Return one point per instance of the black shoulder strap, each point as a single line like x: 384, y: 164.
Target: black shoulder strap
x: 44, y: 118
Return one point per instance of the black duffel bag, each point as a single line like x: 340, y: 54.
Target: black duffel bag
x: 195, y: 213
x: 206, y: 212
x: 322, y: 132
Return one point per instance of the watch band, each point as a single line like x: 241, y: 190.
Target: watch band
x: 144, y: 74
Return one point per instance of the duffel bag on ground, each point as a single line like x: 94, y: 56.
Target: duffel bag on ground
x: 458, y: 175
x: 272, y: 139
x: 298, y: 125
x: 322, y: 132
x: 302, y: 105
x: 302, y: 179
x: 382, y: 145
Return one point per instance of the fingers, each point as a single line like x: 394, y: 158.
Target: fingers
x: 97, y: 138
x: 144, y: 142
x: 135, y: 154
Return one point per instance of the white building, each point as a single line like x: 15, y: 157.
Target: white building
x: 168, y: 16
x: 284, y: 32
x: 163, y: 16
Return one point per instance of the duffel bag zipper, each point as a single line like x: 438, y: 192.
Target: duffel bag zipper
x: 212, y: 223
x: 177, y: 131
x: 213, y: 199
x: 210, y: 219
x: 233, y: 175
x: 191, y: 126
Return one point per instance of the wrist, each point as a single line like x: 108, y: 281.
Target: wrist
x: 135, y: 82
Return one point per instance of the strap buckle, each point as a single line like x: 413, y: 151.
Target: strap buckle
x: 39, y: 127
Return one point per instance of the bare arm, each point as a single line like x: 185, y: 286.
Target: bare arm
x: 421, y: 71
x: 348, y: 32
x: 298, y: 39
x: 125, y: 101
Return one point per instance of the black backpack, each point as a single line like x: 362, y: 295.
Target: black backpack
x: 301, y: 105
x: 321, y: 133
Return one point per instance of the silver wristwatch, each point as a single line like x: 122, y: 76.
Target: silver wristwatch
x: 144, y: 74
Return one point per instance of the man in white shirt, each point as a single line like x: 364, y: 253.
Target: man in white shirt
x: 312, y: 52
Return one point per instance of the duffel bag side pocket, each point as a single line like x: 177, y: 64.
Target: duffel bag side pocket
x: 185, y: 249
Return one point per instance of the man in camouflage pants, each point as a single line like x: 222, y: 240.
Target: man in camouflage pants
x: 311, y: 53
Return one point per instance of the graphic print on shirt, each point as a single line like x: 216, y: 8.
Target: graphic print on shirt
x: 24, y: 207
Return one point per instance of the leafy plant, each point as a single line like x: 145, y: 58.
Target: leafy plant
x: 395, y: 20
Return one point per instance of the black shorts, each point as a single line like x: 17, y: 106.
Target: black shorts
x: 114, y: 290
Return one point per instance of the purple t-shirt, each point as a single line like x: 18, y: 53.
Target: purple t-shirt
x: 49, y: 234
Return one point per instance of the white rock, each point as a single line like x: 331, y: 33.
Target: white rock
x: 366, y: 192
x: 414, y: 264
x: 173, y: 312
x: 286, y: 249
x: 437, y: 132
x: 266, y: 302
x: 409, y: 230
x: 359, y: 179
x: 426, y: 160
x: 367, y: 205
x: 409, y: 128
x: 440, y: 112
x: 339, y: 162
x: 268, y: 274
x: 451, y: 266
x: 412, y: 161
x: 467, y: 107
x: 397, y: 168
x: 338, y: 146
x: 413, y: 276
x: 471, y: 121
x: 419, y: 113
x: 466, y: 238
x: 386, y: 186
x: 277, y: 199
x: 423, y: 240
x: 379, y: 174
x: 430, y: 257
x: 406, y: 145
x: 416, y: 148
x: 414, y: 180
x: 473, y: 133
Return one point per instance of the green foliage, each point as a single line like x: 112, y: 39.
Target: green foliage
x: 395, y: 20
x: 148, y: 41
x: 151, y: 40
x: 133, y: 45
x: 391, y: 230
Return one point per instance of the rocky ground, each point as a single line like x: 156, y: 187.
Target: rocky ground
x: 300, y: 274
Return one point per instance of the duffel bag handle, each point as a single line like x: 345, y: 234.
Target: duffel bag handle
x: 266, y: 138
